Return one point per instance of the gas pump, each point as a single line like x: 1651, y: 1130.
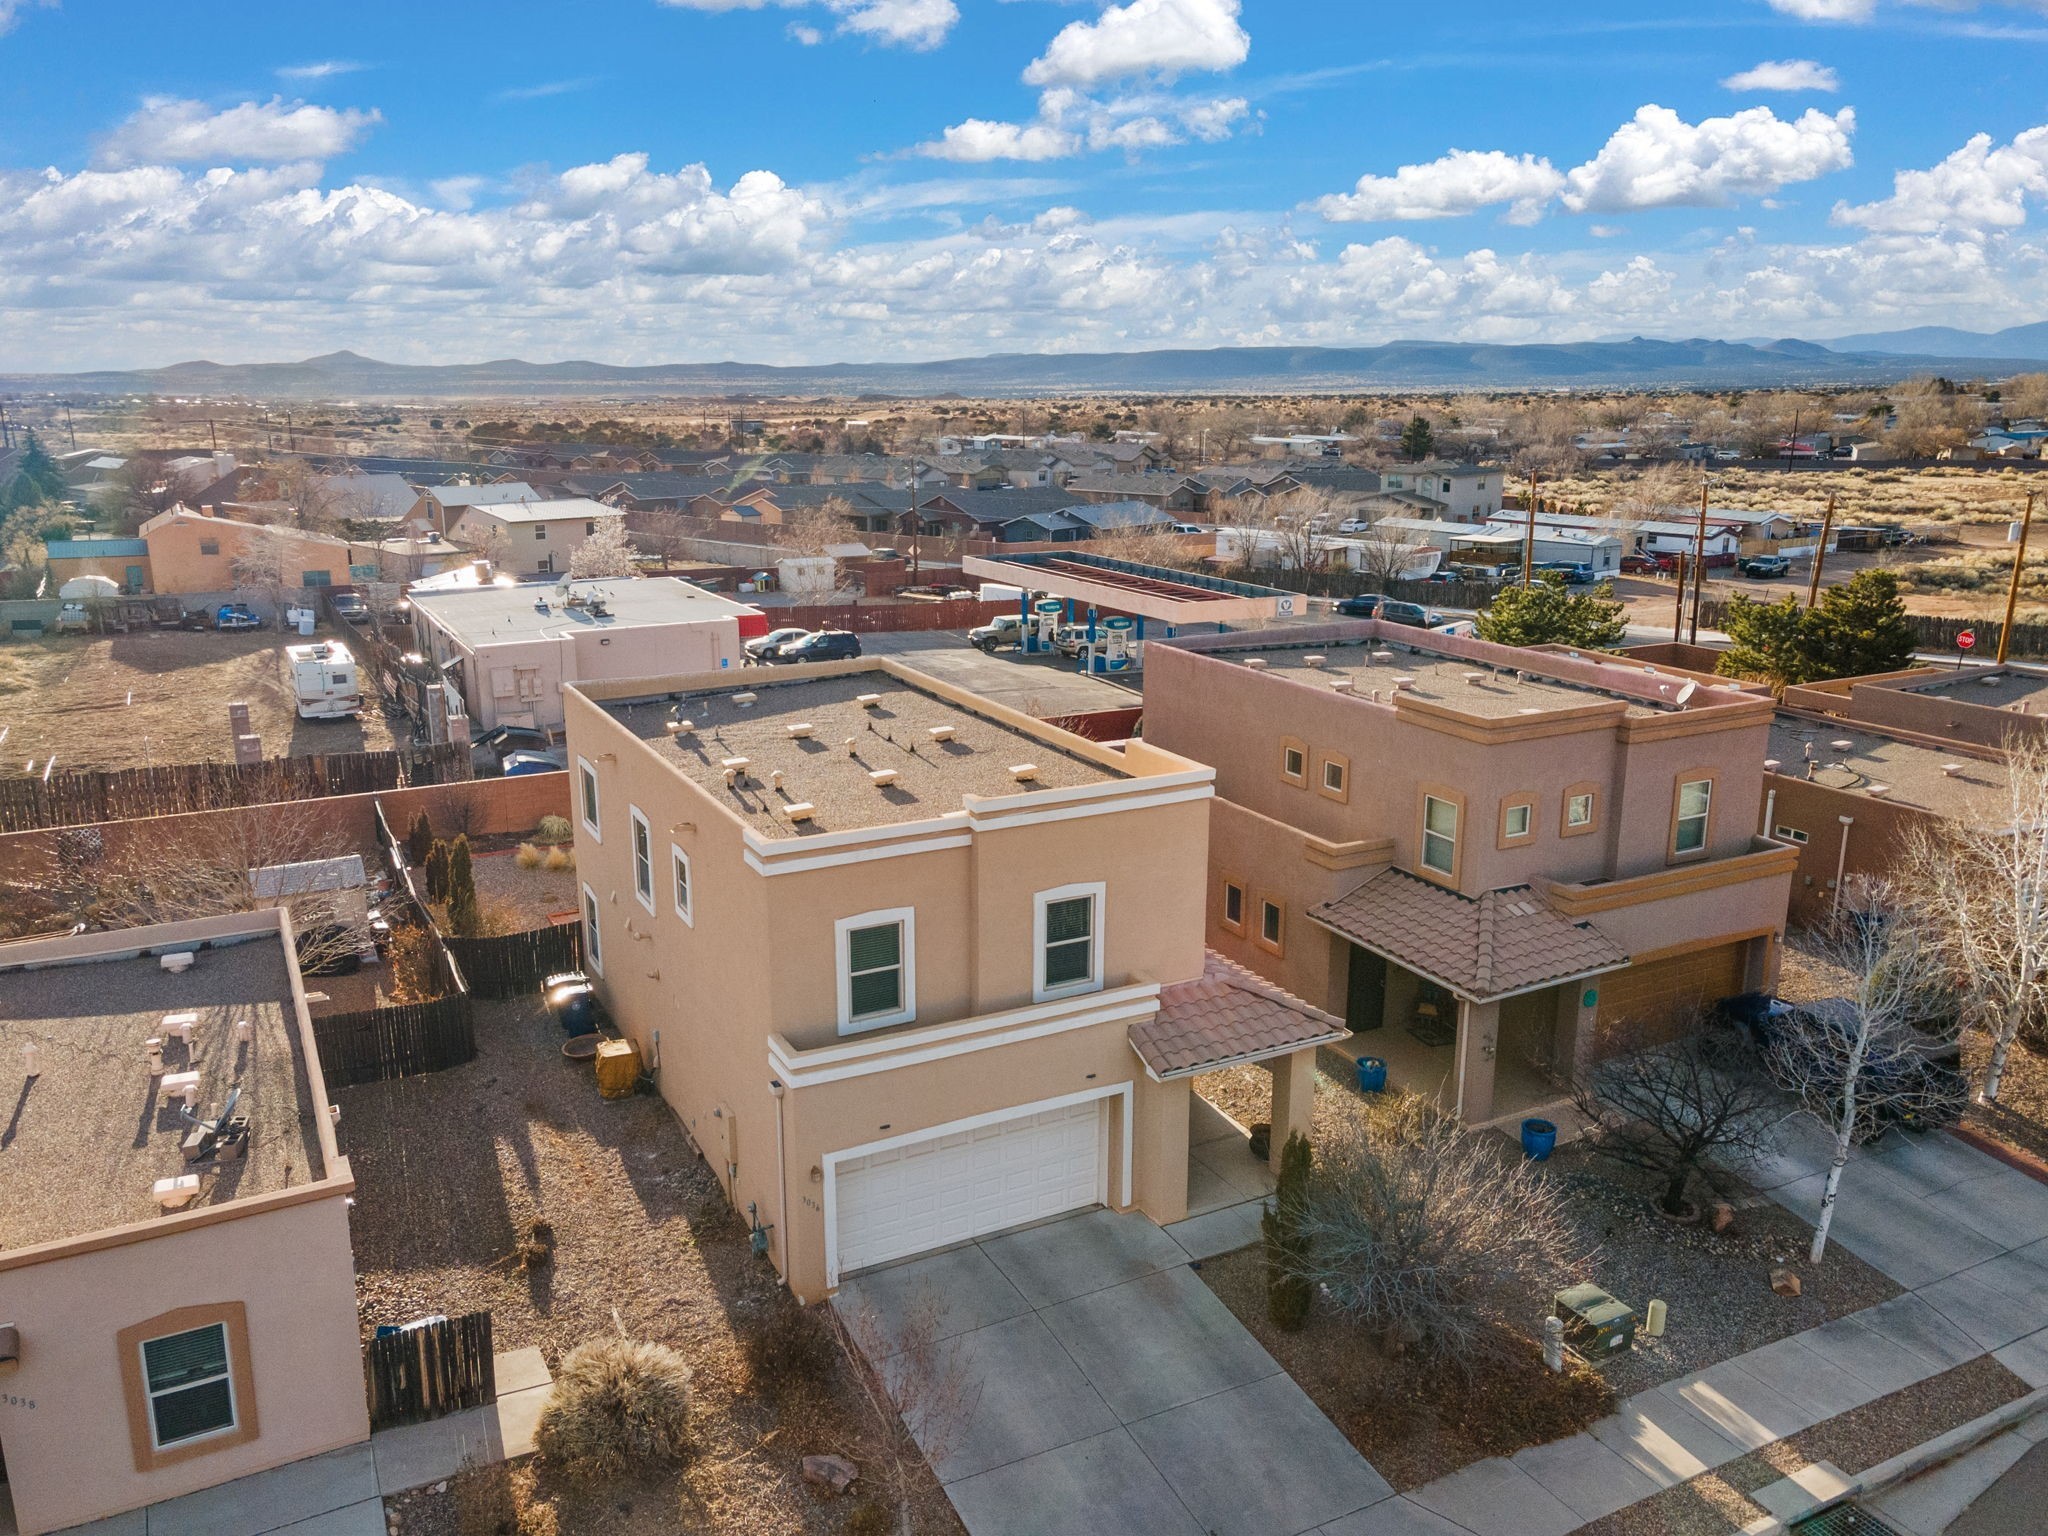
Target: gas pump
x: 1045, y: 623
x: 1120, y: 649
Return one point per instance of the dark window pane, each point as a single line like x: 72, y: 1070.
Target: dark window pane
x: 868, y: 948
x: 877, y: 992
x: 1070, y: 919
x: 193, y: 1411
x: 1073, y: 961
x: 184, y: 1357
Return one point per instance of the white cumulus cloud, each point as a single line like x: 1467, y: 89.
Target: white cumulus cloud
x: 1785, y: 75
x: 170, y: 131
x: 1071, y: 123
x: 978, y: 139
x: 1462, y: 182
x: 917, y: 24
x: 11, y: 11
x: 1826, y: 10
x: 1979, y: 188
x: 1145, y: 37
x: 1658, y: 160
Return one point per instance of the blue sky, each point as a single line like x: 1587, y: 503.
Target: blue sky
x: 809, y: 180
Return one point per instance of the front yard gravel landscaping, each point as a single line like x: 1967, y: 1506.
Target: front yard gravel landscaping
x: 507, y: 1184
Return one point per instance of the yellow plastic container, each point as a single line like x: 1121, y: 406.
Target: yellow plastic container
x: 618, y: 1068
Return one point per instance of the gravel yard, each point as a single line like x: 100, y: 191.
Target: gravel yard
x: 160, y: 696
x: 2020, y: 1117
x: 513, y: 900
x: 460, y: 1171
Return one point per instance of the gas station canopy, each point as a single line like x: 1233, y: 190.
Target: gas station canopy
x: 1156, y: 592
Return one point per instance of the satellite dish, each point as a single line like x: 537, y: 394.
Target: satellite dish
x: 1687, y: 692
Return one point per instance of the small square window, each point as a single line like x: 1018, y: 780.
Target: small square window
x: 1269, y: 922
x: 1517, y: 822
x: 1333, y: 777
x: 1788, y: 834
x: 589, y: 528
x: 1233, y: 905
x: 1293, y: 762
x: 540, y: 531
x: 1578, y: 810
x: 191, y: 1393
x: 209, y: 546
x: 874, y: 970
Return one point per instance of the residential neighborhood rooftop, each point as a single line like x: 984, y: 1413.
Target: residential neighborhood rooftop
x: 488, y: 615
x: 2022, y: 692
x: 1948, y: 781
x: 568, y: 509
x: 94, y: 1129
x: 799, y: 730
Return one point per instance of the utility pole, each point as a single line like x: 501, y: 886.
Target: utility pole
x: 213, y: 432
x: 1678, y: 614
x: 1820, y: 553
x: 1529, y: 537
x: 69, y: 430
x: 916, y: 522
x: 1792, y: 442
x: 1699, y: 562
x: 2012, y: 592
x: 291, y: 437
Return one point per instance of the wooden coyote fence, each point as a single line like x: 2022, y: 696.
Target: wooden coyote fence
x: 515, y: 964
x: 77, y: 799
x: 425, y: 1372
x: 399, y: 1041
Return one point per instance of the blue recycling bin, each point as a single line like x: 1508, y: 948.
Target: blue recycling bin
x: 1372, y: 1075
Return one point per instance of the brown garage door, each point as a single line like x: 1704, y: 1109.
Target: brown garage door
x: 1659, y: 992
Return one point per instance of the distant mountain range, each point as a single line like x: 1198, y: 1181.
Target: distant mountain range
x: 1637, y: 361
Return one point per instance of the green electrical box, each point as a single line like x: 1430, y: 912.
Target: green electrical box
x: 1595, y: 1324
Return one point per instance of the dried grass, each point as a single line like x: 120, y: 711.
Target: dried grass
x: 528, y: 856
x: 559, y: 859
x: 620, y: 1407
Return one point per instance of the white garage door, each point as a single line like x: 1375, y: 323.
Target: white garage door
x: 946, y: 1189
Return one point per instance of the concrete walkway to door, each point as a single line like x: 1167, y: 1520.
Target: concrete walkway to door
x: 1117, y: 1395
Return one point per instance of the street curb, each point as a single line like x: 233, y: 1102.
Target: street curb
x: 1992, y: 1147
x: 1922, y: 1458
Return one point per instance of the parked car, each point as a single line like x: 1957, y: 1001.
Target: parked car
x: 1765, y: 567
x: 236, y: 616
x: 519, y: 763
x: 1355, y: 525
x: 825, y: 645
x: 1004, y: 629
x: 1365, y: 606
x: 1648, y: 565
x: 762, y: 646
x: 1408, y: 613
x: 1072, y: 639
x: 350, y: 606
x: 1575, y: 573
x: 1915, y: 1083
x: 490, y: 749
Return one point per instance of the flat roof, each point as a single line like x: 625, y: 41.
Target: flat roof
x: 499, y: 615
x: 568, y: 509
x: 932, y: 777
x: 1992, y: 690
x: 93, y: 1131
x: 1912, y: 774
x: 1470, y: 686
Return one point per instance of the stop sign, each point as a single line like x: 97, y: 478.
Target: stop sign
x: 1967, y: 640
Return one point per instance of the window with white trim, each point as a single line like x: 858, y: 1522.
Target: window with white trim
x: 1695, y: 803
x: 593, y: 940
x: 1788, y: 834
x: 1517, y: 821
x: 586, y: 778
x: 1578, y: 810
x: 1271, y: 924
x: 1439, y: 834
x: 1067, y: 941
x: 643, y: 857
x: 1333, y: 775
x: 679, y: 880
x: 190, y: 1388
x: 877, y: 969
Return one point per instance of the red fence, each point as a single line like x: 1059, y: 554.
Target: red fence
x: 1101, y: 724
x: 878, y: 618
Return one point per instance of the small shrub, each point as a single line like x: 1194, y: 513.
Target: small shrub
x: 618, y: 1407
x: 528, y: 856
x: 464, y: 921
x: 496, y: 1499
x: 536, y: 1250
x: 553, y: 829
x: 559, y: 859
x: 791, y: 1350
x: 870, y: 1517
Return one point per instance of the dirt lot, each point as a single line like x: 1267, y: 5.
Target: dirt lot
x: 513, y: 900
x: 454, y: 1170
x: 162, y: 696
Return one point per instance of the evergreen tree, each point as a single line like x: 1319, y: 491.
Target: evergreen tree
x: 1547, y: 612
x: 36, y: 478
x: 1418, y: 441
x: 1856, y: 629
x: 1767, y: 641
x: 419, y: 842
x: 1287, y: 1294
x: 436, y: 870
x: 461, y: 874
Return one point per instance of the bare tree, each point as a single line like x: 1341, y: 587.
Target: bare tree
x: 1983, y: 886
x: 922, y: 1374
x: 1857, y: 1063
x: 267, y: 564
x: 607, y: 552
x: 665, y: 533
x: 1678, y: 1110
x: 1418, y: 1231
x: 1383, y: 552
x: 1287, y: 531
x: 814, y: 529
x: 485, y: 539
x: 1929, y: 415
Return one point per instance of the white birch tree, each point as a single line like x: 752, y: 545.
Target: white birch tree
x: 1984, y: 886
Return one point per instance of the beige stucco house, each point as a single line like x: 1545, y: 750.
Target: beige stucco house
x: 1488, y: 861
x: 529, y: 538
x: 909, y: 966
x: 159, y: 1337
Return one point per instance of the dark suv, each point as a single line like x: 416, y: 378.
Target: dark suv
x: 825, y: 645
x: 1407, y: 613
x: 1364, y: 606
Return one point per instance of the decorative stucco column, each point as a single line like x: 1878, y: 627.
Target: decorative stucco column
x: 1294, y: 1100
x: 1478, y: 1043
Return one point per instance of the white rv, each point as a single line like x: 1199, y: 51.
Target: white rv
x: 324, y: 677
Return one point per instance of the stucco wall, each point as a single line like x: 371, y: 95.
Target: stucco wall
x: 178, y: 565
x: 70, y: 1457
x: 1873, y: 841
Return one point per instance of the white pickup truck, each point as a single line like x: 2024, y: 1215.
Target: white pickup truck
x: 325, y: 679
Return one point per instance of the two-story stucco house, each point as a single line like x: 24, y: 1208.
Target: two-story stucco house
x: 909, y: 966
x: 1489, y: 861
x: 1466, y: 493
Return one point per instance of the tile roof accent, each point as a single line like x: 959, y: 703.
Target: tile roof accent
x: 1482, y: 948
x: 1226, y: 1017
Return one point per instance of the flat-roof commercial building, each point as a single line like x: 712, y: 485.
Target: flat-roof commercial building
x: 511, y: 650
x: 1489, y: 861
x: 909, y: 966
x: 177, y: 1309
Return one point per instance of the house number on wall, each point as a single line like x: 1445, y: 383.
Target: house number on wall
x: 8, y: 1399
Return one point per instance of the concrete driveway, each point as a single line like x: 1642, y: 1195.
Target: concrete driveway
x: 1116, y: 1394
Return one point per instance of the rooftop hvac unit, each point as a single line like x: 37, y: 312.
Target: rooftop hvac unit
x: 1595, y: 1324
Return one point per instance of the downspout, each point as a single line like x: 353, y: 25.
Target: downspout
x: 1841, y: 863
x: 1770, y: 810
x: 776, y: 1091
